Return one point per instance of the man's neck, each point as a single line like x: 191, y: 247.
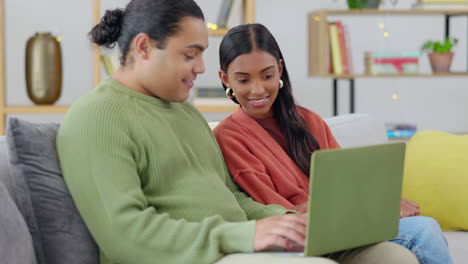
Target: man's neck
x: 128, y: 79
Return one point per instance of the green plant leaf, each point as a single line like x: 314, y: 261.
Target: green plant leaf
x: 439, y: 47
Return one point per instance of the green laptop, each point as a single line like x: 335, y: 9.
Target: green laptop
x: 354, y: 197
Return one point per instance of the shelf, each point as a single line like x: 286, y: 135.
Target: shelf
x: 60, y: 109
x: 40, y: 109
x: 215, y: 109
x: 422, y: 75
x: 248, y: 16
x: 319, y: 47
x: 392, y: 12
x: 318, y: 35
x: 218, y: 32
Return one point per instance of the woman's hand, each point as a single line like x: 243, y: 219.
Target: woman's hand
x: 302, y: 208
x: 408, y: 208
x: 285, y: 231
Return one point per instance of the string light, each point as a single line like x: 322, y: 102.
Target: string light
x: 58, y: 39
x: 395, y: 96
x: 317, y: 18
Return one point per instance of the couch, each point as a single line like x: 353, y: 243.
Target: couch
x: 350, y: 131
x: 355, y: 130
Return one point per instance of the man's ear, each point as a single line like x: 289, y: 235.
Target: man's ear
x: 224, y: 77
x: 143, y: 45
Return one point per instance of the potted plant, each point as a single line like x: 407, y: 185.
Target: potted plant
x: 440, y: 54
x: 360, y: 4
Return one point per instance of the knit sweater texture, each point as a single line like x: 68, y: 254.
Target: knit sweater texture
x: 260, y: 166
x: 150, y: 181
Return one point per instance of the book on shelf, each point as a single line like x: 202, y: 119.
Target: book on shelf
x: 401, y: 133
x: 345, y: 56
x: 224, y: 12
x: 383, y: 62
x: 335, y: 50
x: 339, y: 50
x: 400, y: 130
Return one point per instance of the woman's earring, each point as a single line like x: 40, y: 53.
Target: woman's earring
x: 281, y: 83
x: 229, y: 93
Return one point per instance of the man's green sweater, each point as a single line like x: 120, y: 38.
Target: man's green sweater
x: 150, y: 181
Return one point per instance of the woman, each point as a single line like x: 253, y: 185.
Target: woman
x: 268, y: 141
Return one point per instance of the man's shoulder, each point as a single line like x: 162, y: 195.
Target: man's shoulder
x: 99, y: 103
x: 94, y: 112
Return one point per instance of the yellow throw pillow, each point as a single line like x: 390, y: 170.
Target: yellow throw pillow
x: 436, y: 177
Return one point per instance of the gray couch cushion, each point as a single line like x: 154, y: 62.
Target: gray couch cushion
x: 15, y: 241
x: 58, y: 231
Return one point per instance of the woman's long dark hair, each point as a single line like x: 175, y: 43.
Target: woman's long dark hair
x: 244, y: 39
x: 159, y: 19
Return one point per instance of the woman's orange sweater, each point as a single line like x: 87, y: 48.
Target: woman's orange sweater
x: 260, y: 166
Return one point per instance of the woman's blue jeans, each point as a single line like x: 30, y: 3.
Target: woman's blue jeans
x: 423, y: 236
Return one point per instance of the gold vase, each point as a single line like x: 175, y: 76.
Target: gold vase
x: 43, y: 68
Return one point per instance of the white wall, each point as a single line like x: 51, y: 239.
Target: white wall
x: 432, y: 103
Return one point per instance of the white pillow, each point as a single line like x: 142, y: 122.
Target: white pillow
x: 353, y: 130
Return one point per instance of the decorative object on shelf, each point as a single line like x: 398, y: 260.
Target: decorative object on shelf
x: 223, y: 14
x: 360, y: 4
x: 383, y: 62
x: 400, y: 130
x: 373, y: 4
x: 43, y: 68
x: 357, y: 4
x: 440, y: 54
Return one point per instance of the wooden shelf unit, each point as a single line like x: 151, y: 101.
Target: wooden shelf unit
x: 218, y: 32
x: 216, y: 109
x: 60, y: 109
x: 372, y: 11
x: 422, y: 75
x: 319, y: 46
x: 248, y: 9
x: 248, y: 17
x: 36, y: 109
